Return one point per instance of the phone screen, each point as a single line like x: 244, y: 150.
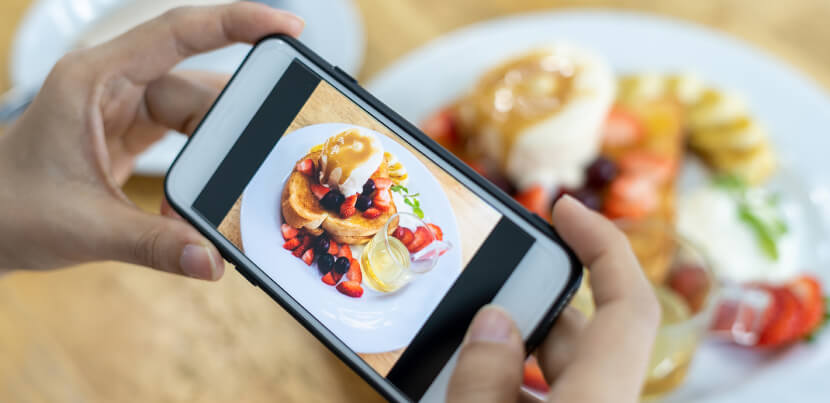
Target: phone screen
x: 381, y: 245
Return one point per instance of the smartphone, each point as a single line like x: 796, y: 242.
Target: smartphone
x: 380, y: 242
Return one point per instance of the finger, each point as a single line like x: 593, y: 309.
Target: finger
x: 556, y: 351
x: 489, y: 367
x: 615, y: 346
x: 153, y: 48
x: 167, y: 210
x: 162, y: 243
x: 179, y: 101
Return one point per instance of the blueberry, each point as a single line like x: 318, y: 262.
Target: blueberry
x: 325, y: 262
x: 588, y: 197
x: 322, y: 245
x: 601, y: 172
x: 368, y: 187
x: 341, y: 265
x: 363, y: 202
x: 332, y: 200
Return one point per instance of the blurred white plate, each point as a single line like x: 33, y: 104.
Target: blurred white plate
x: 53, y: 27
x: 376, y: 322
x: 795, y: 110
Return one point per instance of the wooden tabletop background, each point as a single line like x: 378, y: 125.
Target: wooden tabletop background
x: 109, y: 332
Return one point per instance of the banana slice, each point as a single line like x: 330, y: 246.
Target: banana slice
x: 397, y: 172
x: 641, y: 88
x: 753, y: 166
x: 716, y: 108
x: 686, y: 88
x: 317, y: 148
x: 740, y: 134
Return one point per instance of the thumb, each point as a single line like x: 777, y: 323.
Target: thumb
x: 163, y: 243
x: 490, y: 362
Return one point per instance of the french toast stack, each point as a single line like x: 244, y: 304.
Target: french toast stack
x: 302, y: 209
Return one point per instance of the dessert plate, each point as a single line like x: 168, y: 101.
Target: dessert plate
x: 375, y: 322
x: 790, y: 105
x: 51, y: 28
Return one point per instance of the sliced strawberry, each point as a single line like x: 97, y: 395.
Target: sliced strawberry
x: 630, y: 196
x: 372, y: 212
x: 382, y: 183
x: 405, y: 235
x: 622, y: 128
x: 319, y: 190
x: 308, y: 256
x: 536, y: 199
x: 786, y: 323
x: 398, y: 232
x: 332, y: 277
x: 306, y: 166
x: 305, y: 243
x: 347, y: 209
x: 441, y: 127
x: 354, y: 273
x: 345, y: 251
x: 350, y: 288
x: 648, y: 164
x: 288, y: 232
x: 436, y: 231
x: 291, y: 244
x: 808, y: 291
x: 423, y: 237
x: 533, y: 377
x: 692, y: 283
x: 333, y: 248
x: 382, y: 200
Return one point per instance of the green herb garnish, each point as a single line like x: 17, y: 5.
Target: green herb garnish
x: 410, y: 199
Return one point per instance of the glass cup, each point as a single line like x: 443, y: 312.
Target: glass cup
x: 388, y: 264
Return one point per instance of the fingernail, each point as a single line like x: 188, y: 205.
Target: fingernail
x: 570, y: 199
x: 491, y: 324
x: 197, y: 261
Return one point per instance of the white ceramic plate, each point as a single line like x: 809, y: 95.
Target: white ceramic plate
x: 376, y: 322
x: 795, y: 110
x: 53, y: 27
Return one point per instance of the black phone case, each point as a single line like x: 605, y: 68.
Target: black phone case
x: 317, y: 329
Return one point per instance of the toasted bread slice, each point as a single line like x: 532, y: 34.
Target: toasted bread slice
x: 301, y: 209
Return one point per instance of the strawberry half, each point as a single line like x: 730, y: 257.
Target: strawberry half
x: 332, y: 277
x: 436, y: 231
x: 630, y: 196
x: 308, y: 256
x: 291, y: 244
x: 382, y: 200
x: 350, y: 288
x: 423, y: 237
x: 808, y: 291
x: 305, y: 243
x: 382, y: 183
x: 288, y: 232
x: 533, y: 377
x: 537, y: 200
x: 621, y: 128
x: 306, y: 167
x: 333, y: 248
x: 347, y: 209
x: 405, y: 235
x: 647, y: 164
x: 372, y: 212
x: 319, y: 190
x: 785, y: 323
x: 345, y: 251
x: 441, y: 127
x: 354, y: 273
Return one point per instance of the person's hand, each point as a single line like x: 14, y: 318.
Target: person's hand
x: 604, y: 360
x: 62, y: 164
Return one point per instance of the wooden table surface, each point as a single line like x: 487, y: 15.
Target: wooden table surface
x: 110, y: 332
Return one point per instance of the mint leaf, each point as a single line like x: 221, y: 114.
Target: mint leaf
x: 766, y: 237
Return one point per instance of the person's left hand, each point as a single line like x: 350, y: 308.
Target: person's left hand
x: 62, y: 164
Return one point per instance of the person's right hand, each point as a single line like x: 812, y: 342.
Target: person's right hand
x: 604, y: 360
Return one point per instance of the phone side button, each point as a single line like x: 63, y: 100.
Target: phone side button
x: 247, y: 276
x: 345, y: 75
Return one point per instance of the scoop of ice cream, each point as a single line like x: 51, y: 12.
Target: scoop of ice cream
x: 349, y: 159
x: 539, y: 115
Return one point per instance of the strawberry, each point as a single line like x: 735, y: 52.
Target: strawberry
x: 319, y: 190
x: 333, y: 248
x: 441, y: 127
x: 345, y: 251
x: 785, y: 321
x: 291, y: 244
x: 306, y: 167
x: 350, y: 288
x: 808, y: 291
x: 382, y: 183
x: 422, y: 238
x: 354, y: 273
x: 536, y: 199
x: 305, y: 243
x: 533, y: 377
x: 630, y: 196
x: 405, y: 236
x: 347, y: 209
x: 692, y: 284
x: 288, y: 232
x: 622, y: 128
x: 648, y: 164
x: 308, y: 256
x: 436, y: 231
x: 332, y: 277
x: 382, y: 200
x: 372, y: 212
